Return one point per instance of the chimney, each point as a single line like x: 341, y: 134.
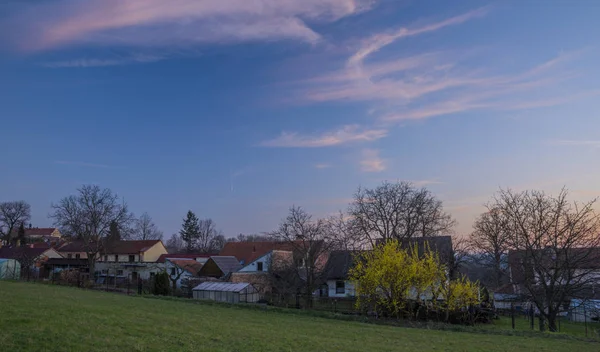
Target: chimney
x: 30, y: 226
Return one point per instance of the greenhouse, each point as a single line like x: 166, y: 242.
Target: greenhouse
x: 226, y: 292
x: 10, y: 269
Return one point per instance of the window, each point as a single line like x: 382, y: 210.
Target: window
x: 116, y: 257
x: 132, y: 258
x: 259, y: 266
x: 77, y: 256
x: 119, y: 272
x: 69, y: 256
x: 340, y: 287
x: 105, y: 258
x: 173, y: 271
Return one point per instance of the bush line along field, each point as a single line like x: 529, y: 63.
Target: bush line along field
x: 37, y: 317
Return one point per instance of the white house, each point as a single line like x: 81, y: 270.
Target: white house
x: 181, y: 270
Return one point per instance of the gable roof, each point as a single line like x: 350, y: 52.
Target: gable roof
x: 37, y: 231
x: 130, y: 247
x: 227, y: 264
x: 189, y: 265
x: 339, y: 264
x: 163, y: 257
x: 21, y: 252
x: 75, y: 246
x: 440, y: 244
x: 248, y: 252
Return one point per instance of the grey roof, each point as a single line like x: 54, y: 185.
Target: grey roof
x: 339, y: 263
x: 222, y: 286
x: 440, y: 244
x: 227, y: 264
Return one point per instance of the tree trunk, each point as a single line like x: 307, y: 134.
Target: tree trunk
x: 552, y: 326
x: 91, y: 266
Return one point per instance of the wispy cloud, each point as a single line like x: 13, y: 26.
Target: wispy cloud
x: 346, y: 134
x: 83, y: 164
x: 170, y: 23
x: 91, y: 62
x: 322, y: 166
x: 577, y: 143
x: 379, y: 41
x: 371, y: 161
x: 437, y: 83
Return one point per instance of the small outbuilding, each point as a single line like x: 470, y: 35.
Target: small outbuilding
x: 241, y: 292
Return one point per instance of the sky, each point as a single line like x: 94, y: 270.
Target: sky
x: 240, y: 109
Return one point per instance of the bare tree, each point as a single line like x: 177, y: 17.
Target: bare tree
x: 399, y: 211
x: 145, y: 229
x: 13, y: 214
x: 311, y: 240
x: 556, y: 247
x: 490, y: 241
x: 175, y: 244
x: 87, y: 217
x: 249, y: 238
x: 209, y: 238
x: 345, y: 232
x: 461, y: 252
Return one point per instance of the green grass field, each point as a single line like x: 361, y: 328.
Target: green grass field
x: 36, y: 317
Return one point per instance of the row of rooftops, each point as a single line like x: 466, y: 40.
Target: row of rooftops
x: 233, y: 257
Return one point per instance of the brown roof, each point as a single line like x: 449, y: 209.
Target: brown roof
x: 189, y: 265
x: 75, y: 246
x: 247, y: 252
x: 130, y: 247
x: 162, y: 257
x: 21, y: 252
x: 37, y: 231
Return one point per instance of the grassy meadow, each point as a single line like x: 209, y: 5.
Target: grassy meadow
x: 35, y: 317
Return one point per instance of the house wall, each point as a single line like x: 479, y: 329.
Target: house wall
x: 349, y: 289
x: 184, y: 276
x: 82, y: 255
x: 123, y: 258
x: 154, y: 252
x: 144, y: 271
x: 252, y: 267
x: 211, y: 269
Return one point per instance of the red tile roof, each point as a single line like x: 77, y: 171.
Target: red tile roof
x: 189, y: 265
x: 75, y: 246
x: 130, y: 247
x: 38, y: 231
x: 162, y: 257
x: 250, y: 251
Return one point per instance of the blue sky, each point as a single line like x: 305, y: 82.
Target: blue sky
x: 239, y: 109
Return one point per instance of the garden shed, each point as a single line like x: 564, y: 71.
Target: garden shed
x: 10, y: 269
x: 226, y: 292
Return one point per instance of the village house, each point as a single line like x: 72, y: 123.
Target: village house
x: 73, y: 250
x: 220, y: 266
x: 31, y: 259
x: 337, y: 270
x: 258, y: 273
x: 129, y: 260
x: 182, y: 270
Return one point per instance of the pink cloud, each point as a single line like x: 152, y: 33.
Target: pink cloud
x: 346, y: 134
x: 371, y: 161
x: 176, y: 22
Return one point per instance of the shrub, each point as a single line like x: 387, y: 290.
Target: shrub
x: 161, y: 284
